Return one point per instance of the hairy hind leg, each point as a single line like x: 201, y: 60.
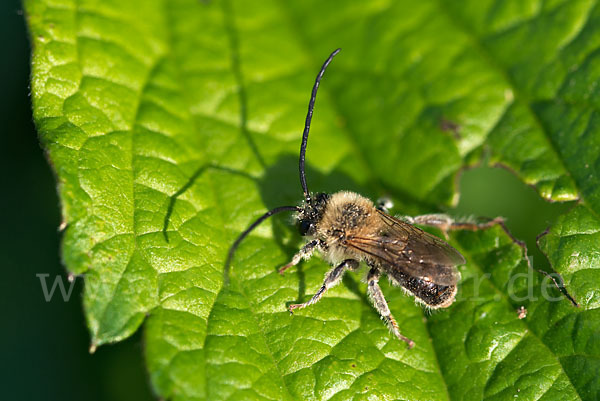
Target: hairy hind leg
x: 446, y: 223
x: 381, y: 305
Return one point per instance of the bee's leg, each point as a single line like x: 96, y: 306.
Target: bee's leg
x: 304, y: 253
x: 446, y: 223
x: 331, y: 279
x: 384, y: 204
x: 381, y: 305
x: 440, y: 221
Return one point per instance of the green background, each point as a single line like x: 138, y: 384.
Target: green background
x: 45, y: 344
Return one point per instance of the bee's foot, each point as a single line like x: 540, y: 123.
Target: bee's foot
x: 295, y: 306
x: 284, y: 268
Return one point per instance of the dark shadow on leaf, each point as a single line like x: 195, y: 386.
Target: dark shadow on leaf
x: 352, y: 285
x: 188, y: 185
x: 236, y: 67
x: 280, y: 183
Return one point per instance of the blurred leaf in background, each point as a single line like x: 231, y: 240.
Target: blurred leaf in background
x: 189, y: 113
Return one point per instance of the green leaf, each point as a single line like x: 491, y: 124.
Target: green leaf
x: 187, y: 115
x: 572, y: 248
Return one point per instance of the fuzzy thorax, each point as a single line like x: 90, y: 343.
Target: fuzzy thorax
x: 347, y: 214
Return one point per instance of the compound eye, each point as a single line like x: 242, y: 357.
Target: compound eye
x: 304, y: 227
x: 322, y: 197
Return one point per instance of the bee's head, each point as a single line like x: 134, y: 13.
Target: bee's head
x: 311, y: 214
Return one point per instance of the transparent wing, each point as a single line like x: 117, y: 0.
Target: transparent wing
x: 411, y: 250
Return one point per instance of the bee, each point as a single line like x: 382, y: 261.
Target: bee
x: 347, y: 229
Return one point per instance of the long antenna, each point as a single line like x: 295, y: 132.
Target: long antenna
x: 252, y: 227
x: 311, y: 105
